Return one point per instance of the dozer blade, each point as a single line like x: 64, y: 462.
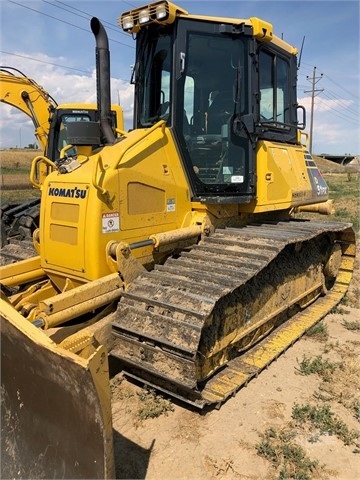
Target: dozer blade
x: 55, y: 406
x: 204, y: 323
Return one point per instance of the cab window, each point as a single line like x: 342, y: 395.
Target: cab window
x: 63, y: 137
x: 274, y: 74
x: 153, y: 78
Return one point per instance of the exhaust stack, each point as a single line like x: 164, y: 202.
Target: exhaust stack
x: 103, y: 78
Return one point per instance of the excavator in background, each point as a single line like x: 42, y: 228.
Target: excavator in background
x: 20, y: 219
x: 172, y: 250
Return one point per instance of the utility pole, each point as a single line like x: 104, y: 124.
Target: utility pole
x: 314, y: 80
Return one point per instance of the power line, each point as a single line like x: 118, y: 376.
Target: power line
x: 129, y: 3
x: 352, y: 94
x: 43, y: 61
x: 67, y: 23
x: 66, y: 10
x: 339, y: 103
x: 342, y: 88
x: 46, y: 15
x: 336, y: 113
x: 110, y: 26
x: 342, y: 103
x: 347, y: 104
x: 306, y: 66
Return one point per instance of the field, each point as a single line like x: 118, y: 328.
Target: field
x: 298, y: 420
x: 14, y: 175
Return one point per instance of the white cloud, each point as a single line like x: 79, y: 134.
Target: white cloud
x: 324, y: 104
x: 330, y: 137
x: 333, y: 132
x: 16, y: 128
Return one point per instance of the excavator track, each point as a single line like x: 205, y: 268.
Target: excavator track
x: 19, y: 220
x: 16, y: 250
x: 203, y: 324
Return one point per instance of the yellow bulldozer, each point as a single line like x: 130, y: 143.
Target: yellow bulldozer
x: 173, y: 248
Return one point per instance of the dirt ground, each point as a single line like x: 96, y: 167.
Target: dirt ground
x: 222, y: 444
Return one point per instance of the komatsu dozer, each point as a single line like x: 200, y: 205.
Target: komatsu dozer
x: 175, y: 247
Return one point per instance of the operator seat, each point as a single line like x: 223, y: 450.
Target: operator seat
x: 219, y: 112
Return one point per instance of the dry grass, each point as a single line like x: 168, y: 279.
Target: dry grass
x: 16, y: 160
x: 219, y: 468
x: 329, y: 167
x: 341, y: 383
x: 145, y: 403
x: 20, y: 181
x: 21, y: 158
x: 14, y: 175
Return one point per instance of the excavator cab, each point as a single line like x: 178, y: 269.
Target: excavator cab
x: 69, y: 116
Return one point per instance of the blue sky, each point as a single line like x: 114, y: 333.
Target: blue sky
x: 51, y: 42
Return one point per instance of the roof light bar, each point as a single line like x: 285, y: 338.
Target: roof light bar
x: 144, y: 16
x: 157, y: 12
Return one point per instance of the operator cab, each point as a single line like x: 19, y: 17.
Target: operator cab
x: 63, y: 124
x: 220, y: 90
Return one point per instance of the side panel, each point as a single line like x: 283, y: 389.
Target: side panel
x: 55, y: 419
x: 287, y: 178
x: 154, y: 194
x: 64, y: 213
x: 126, y: 192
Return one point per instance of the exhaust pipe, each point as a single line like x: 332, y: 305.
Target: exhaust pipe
x: 103, y: 78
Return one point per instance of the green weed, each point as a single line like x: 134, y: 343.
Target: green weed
x: 342, y: 213
x: 340, y: 310
x: 356, y: 409
x: 319, y: 365
x: 351, y: 324
x: 14, y: 170
x: 322, y: 418
x: 319, y: 332
x: 342, y: 185
x: 344, y: 190
x: 288, y: 458
x: 153, y: 405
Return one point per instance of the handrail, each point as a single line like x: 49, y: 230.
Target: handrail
x: 33, y: 170
x: 123, y: 133
x: 161, y: 124
x: 304, y: 143
x: 99, y: 162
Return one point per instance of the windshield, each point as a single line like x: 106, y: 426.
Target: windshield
x: 63, y: 136
x: 213, y: 94
x: 198, y: 82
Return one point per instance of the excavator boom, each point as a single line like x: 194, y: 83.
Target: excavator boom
x: 23, y: 93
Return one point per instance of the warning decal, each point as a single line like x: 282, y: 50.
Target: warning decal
x: 110, y: 222
x: 170, y: 205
